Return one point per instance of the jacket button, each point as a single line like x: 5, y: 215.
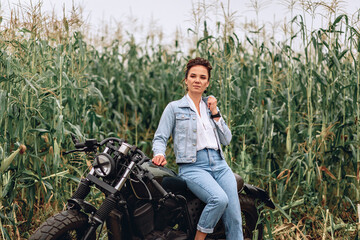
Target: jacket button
x: 183, y: 116
x: 193, y: 160
x: 194, y: 118
x: 194, y: 130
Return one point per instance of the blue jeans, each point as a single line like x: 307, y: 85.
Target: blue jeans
x: 213, y: 182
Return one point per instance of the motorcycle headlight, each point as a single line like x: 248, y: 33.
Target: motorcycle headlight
x: 104, y: 165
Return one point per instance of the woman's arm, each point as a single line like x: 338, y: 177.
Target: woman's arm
x: 163, y: 132
x: 223, y: 131
x: 221, y: 127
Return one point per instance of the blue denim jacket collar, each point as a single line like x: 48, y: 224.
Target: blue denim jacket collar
x: 184, y: 103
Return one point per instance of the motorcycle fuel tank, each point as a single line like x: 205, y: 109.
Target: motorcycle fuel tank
x: 158, y: 172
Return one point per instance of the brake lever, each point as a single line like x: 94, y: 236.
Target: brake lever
x: 76, y: 150
x: 144, y: 158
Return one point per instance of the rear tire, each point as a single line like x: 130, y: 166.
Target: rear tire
x: 250, y: 216
x: 66, y: 225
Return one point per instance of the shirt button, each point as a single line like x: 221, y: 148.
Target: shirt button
x: 194, y: 130
x: 183, y: 116
x: 194, y: 118
x: 193, y: 160
x: 194, y: 144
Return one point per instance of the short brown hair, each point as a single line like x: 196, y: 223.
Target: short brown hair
x: 198, y: 61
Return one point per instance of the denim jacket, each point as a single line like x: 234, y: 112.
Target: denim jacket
x: 179, y: 120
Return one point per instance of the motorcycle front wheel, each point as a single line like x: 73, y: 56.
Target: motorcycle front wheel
x: 66, y: 225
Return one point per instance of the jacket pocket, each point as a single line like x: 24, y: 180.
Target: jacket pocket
x: 182, y: 121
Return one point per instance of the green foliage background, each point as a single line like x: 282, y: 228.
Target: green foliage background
x: 294, y: 115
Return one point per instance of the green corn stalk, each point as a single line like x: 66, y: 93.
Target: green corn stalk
x: 96, y: 91
x: 358, y: 128
x: 7, y: 161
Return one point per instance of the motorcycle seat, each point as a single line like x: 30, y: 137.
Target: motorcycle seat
x: 240, y: 182
x: 177, y: 185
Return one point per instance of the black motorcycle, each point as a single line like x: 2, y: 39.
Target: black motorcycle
x: 142, y: 201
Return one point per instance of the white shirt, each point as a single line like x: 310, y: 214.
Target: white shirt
x: 205, y: 132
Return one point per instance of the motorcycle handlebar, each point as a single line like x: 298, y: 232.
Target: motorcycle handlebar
x: 144, y: 158
x: 92, y: 144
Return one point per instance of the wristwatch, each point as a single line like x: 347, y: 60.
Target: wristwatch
x: 216, y: 115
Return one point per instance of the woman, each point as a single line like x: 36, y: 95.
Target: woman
x: 197, y: 128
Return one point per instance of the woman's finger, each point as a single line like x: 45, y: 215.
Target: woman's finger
x: 155, y: 160
x: 212, y: 103
x: 163, y: 162
x: 159, y: 160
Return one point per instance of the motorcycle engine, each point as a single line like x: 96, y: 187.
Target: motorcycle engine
x: 144, y: 219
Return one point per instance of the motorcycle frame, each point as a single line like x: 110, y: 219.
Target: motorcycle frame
x: 114, y: 210
x: 119, y: 215
x: 119, y: 218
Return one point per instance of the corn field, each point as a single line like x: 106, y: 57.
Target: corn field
x: 293, y: 107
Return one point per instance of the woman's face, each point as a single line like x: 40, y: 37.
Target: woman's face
x: 197, y: 79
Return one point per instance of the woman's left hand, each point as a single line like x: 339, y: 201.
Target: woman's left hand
x: 212, y: 102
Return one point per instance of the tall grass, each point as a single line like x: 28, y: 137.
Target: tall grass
x: 292, y: 106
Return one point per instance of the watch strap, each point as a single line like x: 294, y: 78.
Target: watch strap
x: 216, y: 115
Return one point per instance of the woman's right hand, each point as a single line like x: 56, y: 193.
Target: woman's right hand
x: 159, y: 160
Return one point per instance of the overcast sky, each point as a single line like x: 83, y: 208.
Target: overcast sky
x: 169, y: 15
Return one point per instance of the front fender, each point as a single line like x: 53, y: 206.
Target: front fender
x: 80, y: 204
x: 260, y: 194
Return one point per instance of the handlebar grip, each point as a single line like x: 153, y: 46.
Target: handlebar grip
x: 159, y: 187
x: 80, y: 145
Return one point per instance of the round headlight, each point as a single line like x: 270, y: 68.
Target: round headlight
x: 103, y: 164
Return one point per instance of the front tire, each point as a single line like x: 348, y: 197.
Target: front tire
x: 66, y: 225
